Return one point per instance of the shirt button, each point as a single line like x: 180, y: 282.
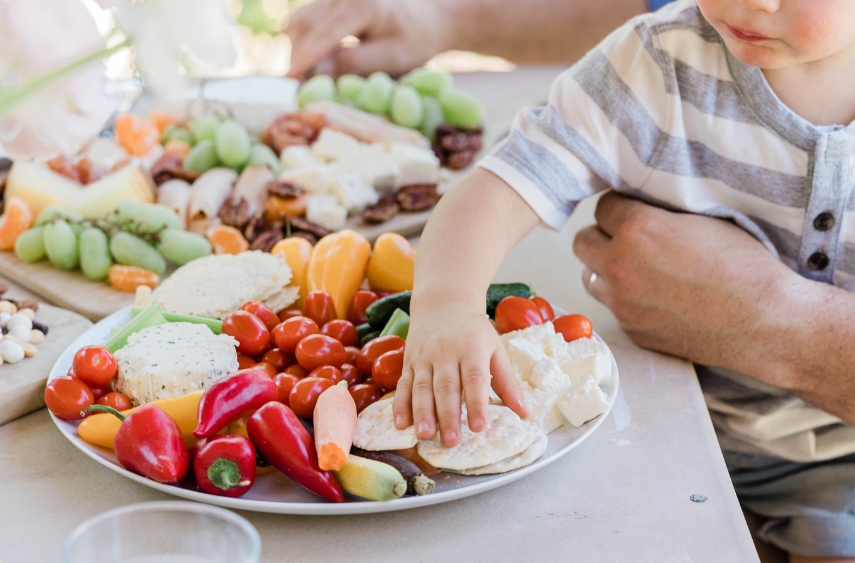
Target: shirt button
x: 823, y: 222
x: 817, y: 261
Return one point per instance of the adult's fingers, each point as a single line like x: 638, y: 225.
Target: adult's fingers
x: 424, y: 416
x: 319, y: 42
x: 613, y: 210
x: 305, y: 18
x: 600, y: 289
x: 402, y: 406
x: 592, y: 247
x: 475, y: 374
x: 505, y: 383
x: 446, y: 391
x: 392, y: 56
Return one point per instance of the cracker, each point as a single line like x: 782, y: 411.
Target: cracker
x: 375, y: 429
x: 529, y: 456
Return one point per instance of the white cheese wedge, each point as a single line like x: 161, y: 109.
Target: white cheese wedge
x: 334, y: 145
x: 378, y: 167
x: 353, y: 193
x: 524, y: 356
x: 547, y: 376
x: 583, y: 402
x: 543, y: 411
x: 539, y: 335
x: 313, y: 178
x: 581, y: 358
x: 418, y: 165
x: 325, y: 210
x: 295, y: 156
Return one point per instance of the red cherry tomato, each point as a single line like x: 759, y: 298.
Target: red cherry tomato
x: 95, y: 365
x: 516, y: 313
x: 360, y: 301
x: 376, y: 348
x: 289, y: 333
x: 284, y: 383
x: 573, y: 327
x: 252, y: 335
x: 304, y: 395
x: 327, y: 372
x: 319, y: 307
x: 278, y: 359
x: 286, y: 314
x: 320, y: 350
x: 262, y: 311
x: 98, y: 391
x: 350, y: 374
x: 267, y: 368
x: 67, y: 396
x: 118, y: 401
x: 388, y: 368
x: 343, y: 331
x: 297, y: 370
x: 544, y: 307
x: 245, y: 361
x: 365, y: 394
x: 352, y: 353
x: 382, y: 294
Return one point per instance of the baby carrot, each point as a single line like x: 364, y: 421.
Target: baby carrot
x: 335, y: 424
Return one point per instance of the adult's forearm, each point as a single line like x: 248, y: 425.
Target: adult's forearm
x: 534, y: 31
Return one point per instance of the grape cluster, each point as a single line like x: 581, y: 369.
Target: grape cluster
x: 133, y: 234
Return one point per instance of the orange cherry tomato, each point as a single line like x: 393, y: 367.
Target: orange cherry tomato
x: 278, y: 359
x: 573, y: 327
x: 360, y: 301
x: 252, y: 334
x: 261, y: 311
x: 289, y: 333
x: 304, y: 395
x: 544, y: 307
x: 516, y: 313
x: 297, y: 370
x: 350, y: 374
x: 319, y: 307
x: 118, y: 401
x: 95, y: 365
x: 376, y: 348
x: 268, y: 368
x: 245, y: 361
x: 286, y: 314
x: 98, y: 391
x: 327, y: 372
x: 352, y: 353
x: 365, y: 394
x: 66, y: 396
x: 284, y: 383
x: 343, y: 331
x: 320, y: 350
x: 388, y: 368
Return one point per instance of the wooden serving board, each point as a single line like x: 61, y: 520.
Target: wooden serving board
x: 22, y: 385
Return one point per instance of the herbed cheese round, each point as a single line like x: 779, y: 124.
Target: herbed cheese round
x: 171, y: 360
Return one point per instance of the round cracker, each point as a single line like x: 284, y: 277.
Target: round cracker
x: 375, y: 429
x: 529, y: 456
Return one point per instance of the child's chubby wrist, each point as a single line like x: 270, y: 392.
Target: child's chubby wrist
x: 427, y: 300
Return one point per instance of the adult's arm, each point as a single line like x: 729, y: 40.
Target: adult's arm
x: 398, y: 35
x: 703, y: 289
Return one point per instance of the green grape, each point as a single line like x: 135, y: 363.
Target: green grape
x: 168, y: 131
x: 204, y: 127
x: 30, y: 245
x: 350, y: 86
x: 431, y: 83
x: 202, y: 157
x: 182, y: 135
x: 433, y: 117
x: 410, y: 76
x: 52, y: 212
x: 131, y: 250
x: 61, y: 245
x: 460, y: 108
x: 124, y: 211
x: 262, y: 155
x: 407, y: 108
x: 377, y: 94
x: 152, y: 217
x: 95, y: 260
x: 232, y: 144
x: 181, y: 247
x: 77, y: 228
x: 318, y: 88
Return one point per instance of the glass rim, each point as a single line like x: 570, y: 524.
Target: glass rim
x: 169, y: 506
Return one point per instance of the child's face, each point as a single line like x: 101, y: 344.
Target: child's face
x: 777, y: 33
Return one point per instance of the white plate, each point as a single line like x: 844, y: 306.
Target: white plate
x: 274, y: 492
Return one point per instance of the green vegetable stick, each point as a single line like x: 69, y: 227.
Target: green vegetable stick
x: 149, y: 317
x: 399, y: 325
x: 215, y: 325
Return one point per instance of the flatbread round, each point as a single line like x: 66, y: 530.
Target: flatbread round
x: 529, y: 456
x: 506, y: 435
x: 375, y: 429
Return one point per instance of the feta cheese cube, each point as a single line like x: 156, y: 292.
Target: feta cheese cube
x: 539, y: 335
x: 581, y: 358
x: 296, y: 156
x: 543, y: 409
x: 352, y: 192
x: 523, y: 356
x: 547, y: 376
x: 418, y: 165
x: 324, y: 210
x: 380, y: 169
x: 583, y: 402
x: 314, y: 178
x: 334, y: 145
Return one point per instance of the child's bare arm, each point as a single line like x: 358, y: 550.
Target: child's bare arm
x: 451, y: 345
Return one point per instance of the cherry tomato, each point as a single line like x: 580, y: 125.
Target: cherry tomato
x: 382, y: 294
x: 573, y: 327
x: 98, y: 391
x: 352, y: 353
x: 365, y: 394
x: 67, y: 396
x: 350, y: 374
x: 284, y: 383
x: 319, y: 307
x: 118, y: 401
x: 376, y: 348
x: 360, y: 301
x: 267, y: 368
x: 262, y: 311
x: 343, y: 331
x: 297, y: 370
x: 320, y: 350
x: 327, y: 372
x: 304, y: 395
x: 252, y: 335
x: 245, y: 361
x: 516, y: 313
x: 388, y: 368
x: 544, y: 307
x: 286, y: 314
x: 95, y: 365
x: 289, y: 333
x: 278, y: 359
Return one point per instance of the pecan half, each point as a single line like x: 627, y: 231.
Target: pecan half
x: 234, y: 214
x: 267, y: 240
x: 383, y: 210
x: 456, y: 147
x: 301, y: 224
x: 285, y: 190
x: 306, y: 235
x: 418, y: 197
x: 254, y: 227
x: 168, y: 167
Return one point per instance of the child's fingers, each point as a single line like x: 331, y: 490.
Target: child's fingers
x: 446, y: 389
x: 402, y: 402
x: 423, y: 408
x: 475, y: 374
x: 505, y: 383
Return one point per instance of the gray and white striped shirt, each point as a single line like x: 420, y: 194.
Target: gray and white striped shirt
x: 662, y: 111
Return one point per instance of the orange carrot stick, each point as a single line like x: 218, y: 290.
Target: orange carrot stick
x: 335, y: 424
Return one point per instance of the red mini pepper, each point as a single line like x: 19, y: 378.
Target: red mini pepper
x: 224, y: 465
x: 280, y: 437
x: 149, y: 443
x: 232, y: 397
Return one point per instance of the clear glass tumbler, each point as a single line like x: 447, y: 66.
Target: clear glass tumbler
x: 164, y: 532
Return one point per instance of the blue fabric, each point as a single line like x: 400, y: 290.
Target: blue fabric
x: 656, y: 4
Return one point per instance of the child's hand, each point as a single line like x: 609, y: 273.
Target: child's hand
x: 451, y: 348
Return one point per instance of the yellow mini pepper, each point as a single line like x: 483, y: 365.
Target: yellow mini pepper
x: 391, y: 265
x: 297, y: 251
x: 338, y: 267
